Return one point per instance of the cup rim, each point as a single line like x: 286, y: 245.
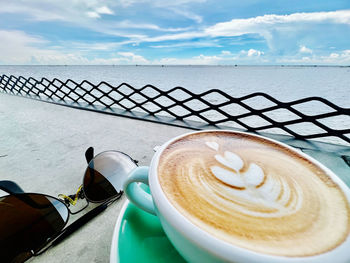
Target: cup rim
x: 221, y: 248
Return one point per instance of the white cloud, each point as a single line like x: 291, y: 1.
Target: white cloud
x: 89, y: 46
x: 50, y: 10
x: 226, y: 53
x: 304, y: 49
x: 223, y: 58
x: 341, y: 57
x: 38, y: 14
x: 282, y: 32
x: 178, y: 7
x: 17, y: 47
x: 104, y: 10
x: 134, y: 58
x: 188, y: 14
x: 252, y: 53
x: 189, y: 44
x: 263, y: 24
x: 334, y: 55
x: 20, y: 48
x: 169, y: 37
x: 197, y: 60
x: 334, y: 58
x: 132, y: 25
x: 160, y: 3
x: 93, y: 14
x: 227, y: 58
x: 88, y: 13
x: 116, y: 61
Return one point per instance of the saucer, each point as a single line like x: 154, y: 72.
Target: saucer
x: 139, y: 237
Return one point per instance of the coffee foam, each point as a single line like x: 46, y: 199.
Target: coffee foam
x: 254, y: 193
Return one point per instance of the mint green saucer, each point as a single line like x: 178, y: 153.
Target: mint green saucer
x: 139, y: 237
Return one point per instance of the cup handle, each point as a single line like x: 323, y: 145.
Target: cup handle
x: 135, y: 193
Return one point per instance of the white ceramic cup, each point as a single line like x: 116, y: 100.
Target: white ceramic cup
x: 197, y: 245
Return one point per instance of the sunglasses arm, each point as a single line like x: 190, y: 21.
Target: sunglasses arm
x: 89, y: 154
x: 10, y: 187
x: 75, y: 226
x: 79, y: 222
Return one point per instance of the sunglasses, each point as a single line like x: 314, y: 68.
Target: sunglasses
x: 30, y: 223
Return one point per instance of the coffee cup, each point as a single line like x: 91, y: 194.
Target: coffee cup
x: 227, y: 196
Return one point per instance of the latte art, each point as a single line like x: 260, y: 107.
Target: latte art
x: 274, y: 197
x: 254, y: 193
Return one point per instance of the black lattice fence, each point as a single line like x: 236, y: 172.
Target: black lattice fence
x: 308, y: 118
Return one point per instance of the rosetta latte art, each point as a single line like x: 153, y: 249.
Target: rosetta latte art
x: 277, y: 197
x: 254, y: 193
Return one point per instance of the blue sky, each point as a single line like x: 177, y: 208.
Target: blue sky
x: 196, y: 32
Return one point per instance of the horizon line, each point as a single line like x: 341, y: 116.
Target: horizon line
x: 185, y: 65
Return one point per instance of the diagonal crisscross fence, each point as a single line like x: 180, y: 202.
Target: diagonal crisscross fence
x: 308, y: 118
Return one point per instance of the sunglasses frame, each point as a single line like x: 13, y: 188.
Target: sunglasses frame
x: 14, y: 189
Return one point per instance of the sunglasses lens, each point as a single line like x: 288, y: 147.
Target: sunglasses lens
x: 105, y: 175
x: 27, y: 222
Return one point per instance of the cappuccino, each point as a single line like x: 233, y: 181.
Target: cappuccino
x: 254, y: 193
